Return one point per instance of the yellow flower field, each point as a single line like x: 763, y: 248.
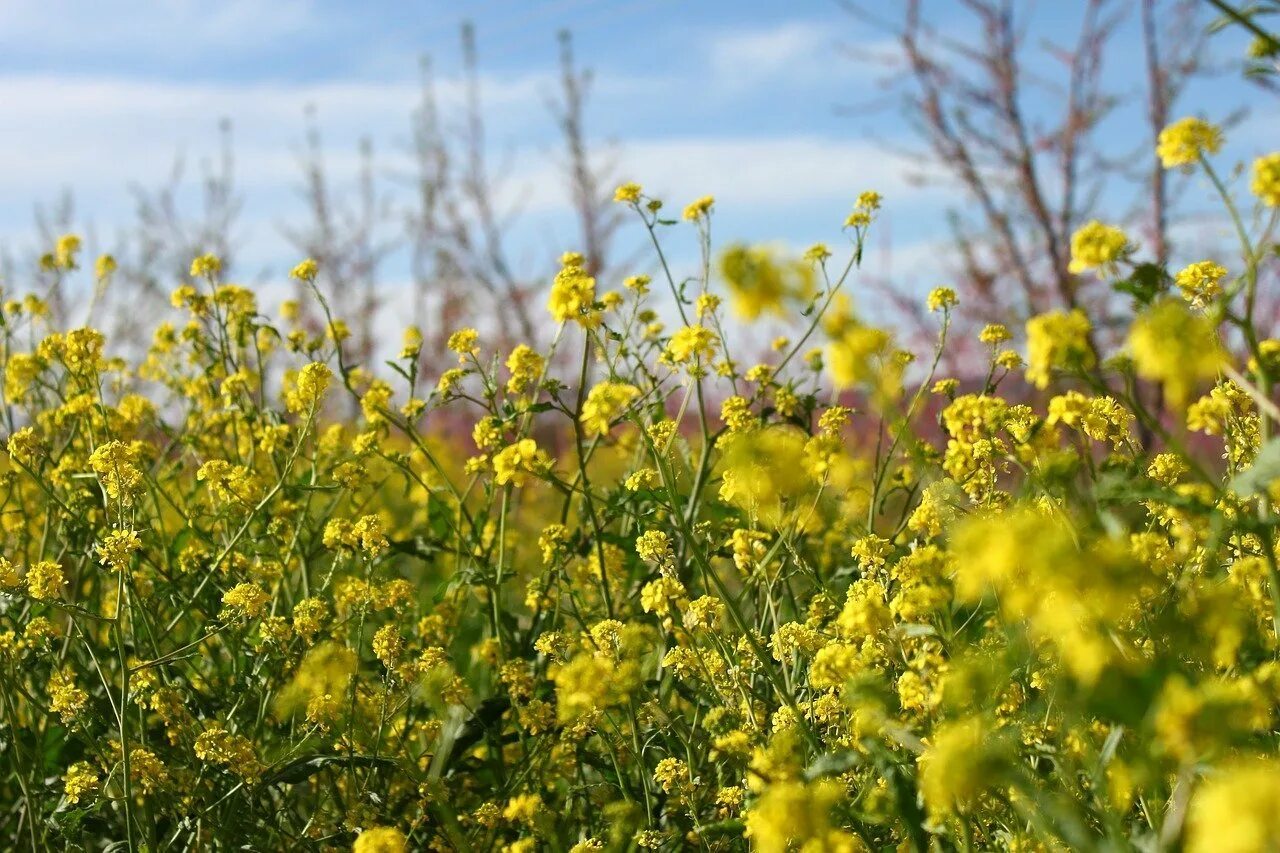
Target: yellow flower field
x: 661, y: 598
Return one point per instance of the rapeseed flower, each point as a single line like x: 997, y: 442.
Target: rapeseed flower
x: 1175, y: 347
x: 1265, y: 183
x: 604, y: 404
x: 1185, y: 141
x: 730, y: 610
x: 1097, y: 246
x: 1057, y: 340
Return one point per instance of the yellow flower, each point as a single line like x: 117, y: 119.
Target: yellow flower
x: 1266, y: 179
x: 65, y: 698
x: 707, y: 303
x: 206, y: 266
x: 64, y: 253
x: 244, y: 600
x: 104, y: 266
x: 1236, y: 809
x: 760, y: 282
x: 20, y: 374
x: 763, y: 471
x: 309, y: 615
x: 305, y: 270
x: 862, y: 353
x: 1175, y: 347
x: 857, y: 219
x: 449, y: 380
x: 464, y: 343
x: 376, y: 400
x: 523, y: 808
x: 116, y: 549
x: 1097, y: 246
x: 868, y: 200
x: 691, y: 343
x: 230, y: 484
x: 9, y: 577
x: 82, y: 351
x: 817, y: 253
x: 736, y: 413
x: 525, y: 366
x: 381, y: 839
x: 654, y: 546
x: 326, y: 669
x: 1201, y: 282
x: 388, y: 645
x: 994, y: 334
x: 582, y: 686
x: 116, y: 465
x: 573, y: 293
x: 487, y: 433
x: 1057, y: 340
x: 793, y: 815
x: 865, y: 614
x: 963, y: 760
x: 656, y: 596
x: 309, y: 387
x: 81, y: 781
x: 45, y: 581
x: 1100, y: 418
x: 216, y: 745
x: 604, y: 403
x: 515, y: 462
x: 700, y: 208
x: 148, y: 771
x: 704, y: 614
x: 411, y: 343
x: 627, y: 193
x: 1187, y: 140
x: 941, y: 298
x: 1008, y: 359
x: 368, y: 532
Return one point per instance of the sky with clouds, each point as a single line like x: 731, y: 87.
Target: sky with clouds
x: 778, y: 109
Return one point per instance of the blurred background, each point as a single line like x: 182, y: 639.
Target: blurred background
x: 437, y: 157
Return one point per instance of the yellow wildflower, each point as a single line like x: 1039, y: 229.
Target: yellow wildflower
x: 604, y: 404
x: 1185, y: 141
x: 1175, y: 347
x: 1265, y: 183
x: 1097, y: 246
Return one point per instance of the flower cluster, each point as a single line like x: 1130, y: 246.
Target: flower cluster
x: 653, y: 595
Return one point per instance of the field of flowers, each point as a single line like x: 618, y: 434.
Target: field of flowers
x: 660, y: 598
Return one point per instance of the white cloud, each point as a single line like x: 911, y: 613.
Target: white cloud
x: 787, y: 170
x: 763, y: 174
x: 158, y: 29
x: 743, y: 55
x: 96, y: 136
x: 794, y: 52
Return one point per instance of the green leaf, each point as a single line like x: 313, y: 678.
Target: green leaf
x: 398, y: 369
x: 1146, y: 283
x: 722, y: 827
x: 70, y: 822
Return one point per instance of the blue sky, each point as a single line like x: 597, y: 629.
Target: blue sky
x: 758, y: 103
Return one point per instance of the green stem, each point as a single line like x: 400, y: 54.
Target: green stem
x: 127, y: 781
